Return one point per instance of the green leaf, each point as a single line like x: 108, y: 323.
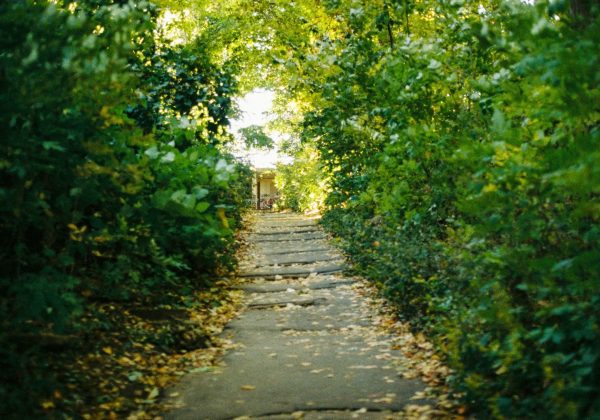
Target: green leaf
x: 52, y: 145
x: 254, y: 136
x: 179, y: 195
x: 189, y: 201
x: 199, y: 192
x: 152, y: 152
x: 135, y: 375
x: 202, y: 206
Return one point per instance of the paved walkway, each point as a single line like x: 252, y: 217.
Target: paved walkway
x: 306, y: 346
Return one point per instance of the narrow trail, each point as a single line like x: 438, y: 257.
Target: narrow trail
x: 307, y: 345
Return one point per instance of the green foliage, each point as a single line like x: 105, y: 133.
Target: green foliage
x: 302, y: 185
x: 460, y: 140
x: 254, y: 136
x: 182, y: 84
x: 114, y: 185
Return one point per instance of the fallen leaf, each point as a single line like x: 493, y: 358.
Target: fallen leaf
x: 248, y: 387
x: 47, y: 405
x: 153, y: 394
x: 125, y: 361
x: 202, y: 369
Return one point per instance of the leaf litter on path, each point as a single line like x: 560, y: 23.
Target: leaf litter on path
x: 121, y: 374
x: 420, y: 360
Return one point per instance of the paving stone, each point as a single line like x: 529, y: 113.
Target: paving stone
x: 285, y: 231
x: 296, y: 258
x: 290, y: 237
x: 294, y: 271
x: 276, y: 373
x: 295, y: 248
x: 338, y: 309
x: 273, y: 287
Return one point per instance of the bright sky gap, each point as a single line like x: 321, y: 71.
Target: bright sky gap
x: 255, y: 109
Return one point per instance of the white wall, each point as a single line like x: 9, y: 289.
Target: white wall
x: 266, y: 187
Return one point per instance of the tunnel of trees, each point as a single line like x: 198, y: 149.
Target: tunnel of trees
x: 453, y: 148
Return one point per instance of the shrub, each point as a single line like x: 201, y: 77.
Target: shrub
x: 113, y: 183
x: 464, y: 184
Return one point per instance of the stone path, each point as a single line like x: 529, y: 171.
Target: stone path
x: 306, y: 345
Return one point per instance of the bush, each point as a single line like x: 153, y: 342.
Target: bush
x: 464, y: 184
x: 113, y: 185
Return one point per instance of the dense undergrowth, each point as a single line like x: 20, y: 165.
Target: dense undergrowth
x: 462, y: 144
x: 115, y: 192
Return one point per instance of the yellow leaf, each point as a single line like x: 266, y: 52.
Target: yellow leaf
x: 47, y: 405
x: 501, y: 370
x: 125, y: 361
x: 153, y: 394
x: 490, y: 188
x: 248, y: 387
x: 105, y: 112
x: 107, y: 350
x: 222, y: 218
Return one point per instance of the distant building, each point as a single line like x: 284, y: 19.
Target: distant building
x: 264, y: 192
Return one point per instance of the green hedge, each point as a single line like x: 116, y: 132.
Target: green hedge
x: 466, y: 183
